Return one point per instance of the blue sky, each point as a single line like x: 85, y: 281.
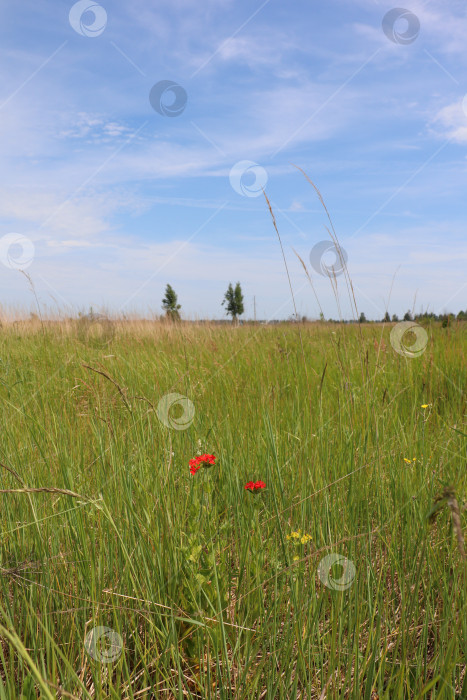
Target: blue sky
x: 117, y: 199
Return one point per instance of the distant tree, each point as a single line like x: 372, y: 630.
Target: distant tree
x: 321, y: 316
x: 386, y: 318
x: 447, y: 320
x: 395, y: 318
x: 462, y: 315
x: 169, y: 304
x: 233, y: 300
x: 408, y: 316
x: 362, y: 318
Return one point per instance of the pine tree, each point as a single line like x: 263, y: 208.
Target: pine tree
x: 362, y: 318
x: 233, y: 299
x: 386, y: 318
x: 169, y: 304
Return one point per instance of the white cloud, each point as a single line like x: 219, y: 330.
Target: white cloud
x: 296, y: 206
x: 42, y: 214
x: 92, y: 128
x: 257, y: 51
x: 442, y: 24
x: 452, y: 121
x: 69, y: 244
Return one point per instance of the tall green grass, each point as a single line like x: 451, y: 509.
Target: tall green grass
x: 198, y: 577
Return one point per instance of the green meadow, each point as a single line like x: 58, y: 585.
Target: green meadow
x: 123, y: 575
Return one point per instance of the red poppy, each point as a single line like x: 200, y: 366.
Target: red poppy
x: 255, y: 486
x: 205, y: 461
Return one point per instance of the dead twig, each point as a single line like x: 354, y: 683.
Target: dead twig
x: 120, y: 390
x: 47, y: 489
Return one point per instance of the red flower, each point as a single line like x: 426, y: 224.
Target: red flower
x: 205, y: 461
x: 255, y: 486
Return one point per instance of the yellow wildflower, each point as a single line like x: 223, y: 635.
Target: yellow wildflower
x: 298, y: 537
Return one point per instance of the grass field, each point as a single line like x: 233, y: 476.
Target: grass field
x: 203, y: 588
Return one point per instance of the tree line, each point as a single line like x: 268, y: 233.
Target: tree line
x: 233, y: 302
x: 445, y: 318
